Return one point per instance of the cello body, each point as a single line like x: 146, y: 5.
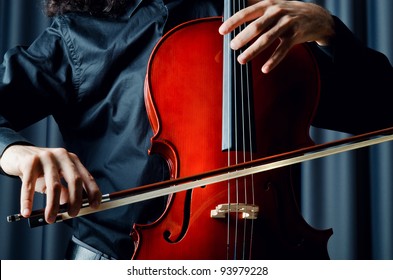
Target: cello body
x: 255, y: 217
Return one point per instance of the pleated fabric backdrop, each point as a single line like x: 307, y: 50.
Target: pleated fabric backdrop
x: 351, y: 193
x: 21, y: 21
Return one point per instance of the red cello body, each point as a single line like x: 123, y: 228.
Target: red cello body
x: 255, y: 217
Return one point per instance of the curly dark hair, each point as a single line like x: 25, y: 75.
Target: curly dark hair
x: 95, y: 7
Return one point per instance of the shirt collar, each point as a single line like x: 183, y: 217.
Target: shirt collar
x: 131, y: 8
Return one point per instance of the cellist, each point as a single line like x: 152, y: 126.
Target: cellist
x: 87, y: 70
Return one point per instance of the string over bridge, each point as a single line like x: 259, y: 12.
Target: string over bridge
x: 247, y: 211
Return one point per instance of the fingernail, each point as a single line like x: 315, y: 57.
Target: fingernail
x: 233, y: 45
x: 95, y: 204
x: 73, y: 212
x: 220, y: 30
x: 25, y: 212
x: 51, y: 219
x: 240, y: 59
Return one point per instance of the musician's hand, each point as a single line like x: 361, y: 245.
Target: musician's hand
x: 292, y: 22
x: 42, y: 170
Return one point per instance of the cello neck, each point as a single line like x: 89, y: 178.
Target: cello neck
x: 238, y: 111
x: 233, y: 6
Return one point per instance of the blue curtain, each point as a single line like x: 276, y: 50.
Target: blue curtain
x: 21, y: 21
x: 351, y: 193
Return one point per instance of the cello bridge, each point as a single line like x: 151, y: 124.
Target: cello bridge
x: 246, y: 211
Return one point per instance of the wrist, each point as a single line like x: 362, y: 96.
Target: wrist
x: 328, y: 31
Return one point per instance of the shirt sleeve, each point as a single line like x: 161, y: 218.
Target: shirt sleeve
x: 35, y: 82
x: 356, y: 85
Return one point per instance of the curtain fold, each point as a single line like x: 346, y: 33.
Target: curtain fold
x: 380, y: 37
x: 351, y: 193
x: 21, y: 21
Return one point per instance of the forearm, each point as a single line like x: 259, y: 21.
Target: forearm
x: 357, y: 83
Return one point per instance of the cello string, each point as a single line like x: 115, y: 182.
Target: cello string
x: 225, y: 78
x: 235, y: 92
x: 246, y: 124
x: 228, y: 11
x: 250, y: 120
x: 243, y: 91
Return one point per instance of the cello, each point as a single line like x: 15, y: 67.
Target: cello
x: 208, y: 112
